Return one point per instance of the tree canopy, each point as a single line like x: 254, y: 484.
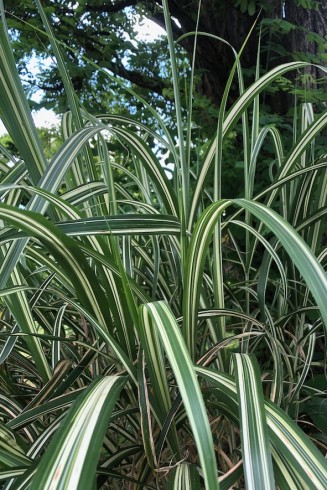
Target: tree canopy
x: 101, y: 38
x: 105, y: 33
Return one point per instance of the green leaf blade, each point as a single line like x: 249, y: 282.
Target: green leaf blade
x: 185, y: 375
x: 72, y: 457
x: 255, y: 438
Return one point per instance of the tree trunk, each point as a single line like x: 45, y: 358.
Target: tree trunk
x: 223, y: 19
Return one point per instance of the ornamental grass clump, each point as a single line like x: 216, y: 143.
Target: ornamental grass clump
x: 131, y: 355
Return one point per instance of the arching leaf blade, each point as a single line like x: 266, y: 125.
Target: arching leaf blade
x: 185, y: 375
x: 257, y: 461
x: 71, y: 459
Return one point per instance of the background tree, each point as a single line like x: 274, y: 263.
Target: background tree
x: 105, y: 33
x: 50, y: 137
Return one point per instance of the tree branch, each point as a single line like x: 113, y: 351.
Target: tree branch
x: 143, y: 81
x: 159, y: 20
x: 96, y: 53
x: 109, y: 7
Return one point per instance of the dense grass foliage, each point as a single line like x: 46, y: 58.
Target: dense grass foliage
x: 153, y: 334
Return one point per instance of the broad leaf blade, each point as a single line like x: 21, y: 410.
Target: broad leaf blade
x: 72, y: 457
x: 184, y: 477
x: 254, y: 433
x: 301, y: 459
x: 191, y: 395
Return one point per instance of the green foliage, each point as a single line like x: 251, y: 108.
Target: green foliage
x: 107, y: 35
x: 248, y: 6
x: 128, y: 299
x: 50, y: 138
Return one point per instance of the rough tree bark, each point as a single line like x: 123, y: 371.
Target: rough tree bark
x: 221, y: 18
